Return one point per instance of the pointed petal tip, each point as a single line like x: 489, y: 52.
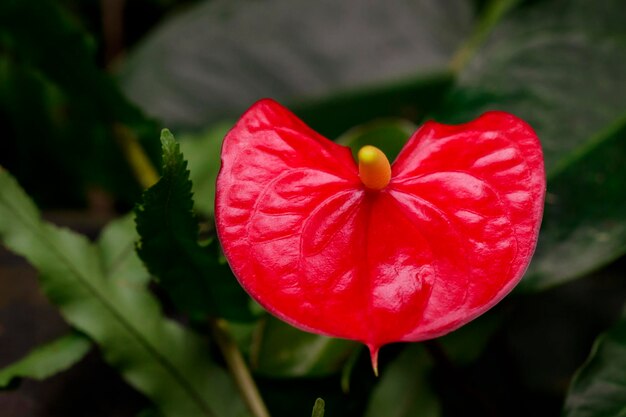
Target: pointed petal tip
x: 374, y: 356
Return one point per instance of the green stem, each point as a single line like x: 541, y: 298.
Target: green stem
x: 144, y: 171
x: 238, y: 367
x: 494, y: 12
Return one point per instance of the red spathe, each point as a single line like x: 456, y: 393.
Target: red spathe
x: 450, y: 236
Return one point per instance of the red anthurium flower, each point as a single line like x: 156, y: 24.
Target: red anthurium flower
x: 374, y: 252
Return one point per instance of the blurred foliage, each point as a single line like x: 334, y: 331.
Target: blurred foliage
x: 599, y: 388
x: 47, y: 66
x: 359, y: 73
x: 47, y: 360
x: 100, y: 289
x: 560, y: 67
x: 330, y: 59
x: 408, y: 373
x: 197, y: 281
x: 283, y: 351
x: 318, y: 408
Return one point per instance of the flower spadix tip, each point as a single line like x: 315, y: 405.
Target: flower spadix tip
x: 374, y: 167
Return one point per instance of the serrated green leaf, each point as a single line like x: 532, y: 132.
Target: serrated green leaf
x: 559, y: 65
x: 284, y: 351
x: 599, y: 387
x: 100, y: 289
x: 47, y: 360
x: 328, y: 58
x: 197, y: 281
x: 318, y: 408
x: 404, y: 389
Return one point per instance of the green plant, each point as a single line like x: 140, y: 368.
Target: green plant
x: 154, y: 293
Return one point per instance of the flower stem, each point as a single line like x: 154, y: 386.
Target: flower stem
x: 238, y: 368
x: 494, y: 12
x: 144, y: 171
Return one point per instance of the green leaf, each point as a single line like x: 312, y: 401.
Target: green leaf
x: 26, y: 96
x: 465, y: 345
x: 150, y: 412
x: 404, y: 389
x: 350, y: 59
x: 599, y: 387
x: 203, y: 151
x: 584, y: 225
x: 284, y: 351
x: 559, y: 66
x: 100, y: 289
x: 388, y: 135
x: 47, y: 360
x: 197, y: 281
x: 318, y: 408
x: 45, y: 36
x: 44, y: 47
x: 411, y: 99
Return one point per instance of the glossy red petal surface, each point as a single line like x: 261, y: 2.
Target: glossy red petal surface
x: 450, y: 235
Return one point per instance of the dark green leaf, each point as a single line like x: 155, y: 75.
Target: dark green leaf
x: 35, y: 150
x: 348, y: 368
x: 409, y: 99
x: 559, y: 65
x: 284, y: 351
x: 44, y: 36
x: 47, y: 360
x: 404, y: 389
x: 388, y: 135
x: 100, y: 289
x: 599, y: 387
x: 342, y: 63
x: 466, y: 344
x: 318, y: 408
x: 150, y: 413
x: 43, y: 47
x: 194, y: 277
x: 584, y: 225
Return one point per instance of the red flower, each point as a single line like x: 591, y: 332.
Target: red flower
x: 375, y: 254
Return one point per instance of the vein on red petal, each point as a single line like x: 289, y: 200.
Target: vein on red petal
x: 446, y: 239
x: 481, y: 248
